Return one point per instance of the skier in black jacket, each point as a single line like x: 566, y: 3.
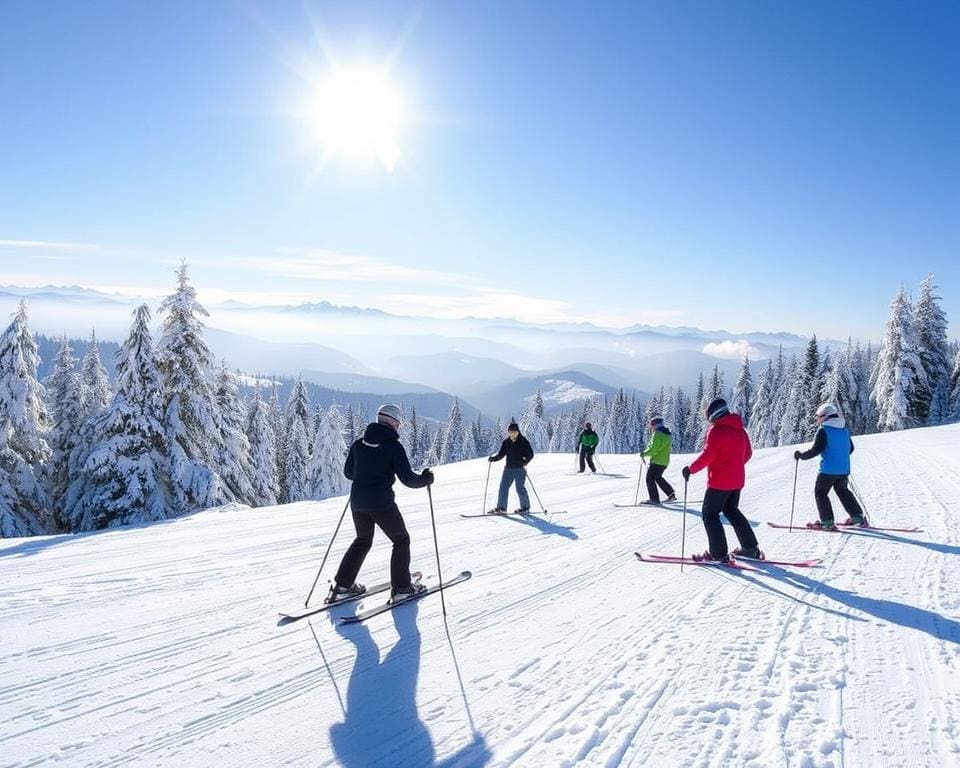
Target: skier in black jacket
x: 373, y: 463
x: 518, y: 452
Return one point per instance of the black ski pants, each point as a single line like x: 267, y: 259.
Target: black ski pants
x: 586, y: 455
x: 391, y: 523
x: 727, y: 502
x: 840, y: 484
x: 655, y: 479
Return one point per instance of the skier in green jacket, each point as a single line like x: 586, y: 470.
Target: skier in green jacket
x: 587, y: 445
x: 659, y: 453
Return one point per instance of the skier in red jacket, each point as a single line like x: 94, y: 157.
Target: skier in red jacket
x: 725, y: 452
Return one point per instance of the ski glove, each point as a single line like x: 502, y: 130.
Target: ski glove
x: 686, y: 473
x: 428, y: 476
x: 796, y: 455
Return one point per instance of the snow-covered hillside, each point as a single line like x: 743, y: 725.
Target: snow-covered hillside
x: 161, y: 645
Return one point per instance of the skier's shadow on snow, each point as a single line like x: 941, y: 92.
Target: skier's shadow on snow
x: 934, y: 624
x: 933, y: 546
x: 696, y: 512
x: 543, y: 525
x: 381, y: 725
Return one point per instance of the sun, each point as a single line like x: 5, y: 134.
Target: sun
x: 357, y: 115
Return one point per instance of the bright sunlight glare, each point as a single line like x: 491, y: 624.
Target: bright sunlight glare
x: 358, y: 115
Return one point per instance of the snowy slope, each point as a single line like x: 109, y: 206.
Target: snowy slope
x: 160, y: 645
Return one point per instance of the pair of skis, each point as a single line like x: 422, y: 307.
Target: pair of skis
x: 846, y: 528
x: 512, y: 514
x: 369, y: 613
x: 737, y: 563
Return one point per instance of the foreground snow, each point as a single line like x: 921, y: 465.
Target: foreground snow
x: 160, y: 645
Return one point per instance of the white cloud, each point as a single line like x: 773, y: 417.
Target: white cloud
x: 48, y: 245
x: 730, y: 350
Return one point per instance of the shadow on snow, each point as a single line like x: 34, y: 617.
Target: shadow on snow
x: 542, y: 524
x: 381, y: 725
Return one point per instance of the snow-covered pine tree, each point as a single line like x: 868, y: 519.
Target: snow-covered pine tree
x: 698, y: 420
x: 94, y: 382
x: 275, y: 412
x: 183, y: 361
x: 809, y: 391
x: 298, y: 407
x: 534, y: 427
x: 930, y: 322
x: 263, y: 451
x: 232, y: 460
x: 325, y: 471
x: 795, y: 404
x: 839, y: 384
x: 413, y: 444
x: 617, y: 424
x: 454, y: 446
x: 24, y: 503
x: 862, y: 413
x: 781, y: 394
x: 954, y: 403
x: 297, y: 460
x: 743, y: 391
x: 899, y: 374
x: 680, y: 423
x: 350, y: 427
x: 125, y: 478
x: 760, y: 412
x: 65, y: 408
x: 436, y: 448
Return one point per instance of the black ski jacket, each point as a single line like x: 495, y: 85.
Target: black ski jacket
x: 518, y: 453
x: 373, y: 464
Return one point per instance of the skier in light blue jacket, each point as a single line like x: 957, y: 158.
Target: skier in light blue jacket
x: 833, y: 445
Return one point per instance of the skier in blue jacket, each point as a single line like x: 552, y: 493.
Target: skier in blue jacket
x: 833, y: 445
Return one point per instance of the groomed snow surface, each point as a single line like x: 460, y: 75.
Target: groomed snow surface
x: 161, y: 645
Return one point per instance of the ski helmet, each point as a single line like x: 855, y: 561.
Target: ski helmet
x: 716, y: 409
x: 827, y: 411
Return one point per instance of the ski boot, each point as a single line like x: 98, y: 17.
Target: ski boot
x: 825, y: 525
x: 498, y: 511
x: 650, y: 503
x: 405, y: 593
x: 338, y: 593
x: 751, y: 553
x: 706, y: 557
x: 858, y: 521
x: 672, y: 497
x: 524, y: 511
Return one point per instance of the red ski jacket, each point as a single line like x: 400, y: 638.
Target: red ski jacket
x: 725, y: 452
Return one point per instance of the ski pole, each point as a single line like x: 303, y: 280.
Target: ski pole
x: 436, y: 547
x: 486, y: 486
x: 327, y: 554
x: 683, y: 532
x: 793, y: 502
x: 600, y: 464
x: 859, y: 498
x: 636, y: 496
x: 527, y: 475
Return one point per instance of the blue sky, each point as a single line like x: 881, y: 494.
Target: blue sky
x: 738, y: 165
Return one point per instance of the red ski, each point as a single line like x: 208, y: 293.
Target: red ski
x: 848, y: 528
x: 735, y: 565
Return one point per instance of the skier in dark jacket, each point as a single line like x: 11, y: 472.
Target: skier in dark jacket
x: 725, y: 453
x: 518, y: 452
x: 587, y: 443
x: 373, y: 464
x: 833, y: 445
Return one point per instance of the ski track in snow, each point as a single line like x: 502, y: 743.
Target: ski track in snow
x: 161, y: 645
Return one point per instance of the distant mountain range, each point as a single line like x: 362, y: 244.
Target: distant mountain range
x: 354, y: 352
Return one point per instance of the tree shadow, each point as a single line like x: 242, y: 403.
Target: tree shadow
x: 35, y: 544
x: 933, y: 546
x: 381, y: 725
x: 543, y: 525
x: 910, y: 616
